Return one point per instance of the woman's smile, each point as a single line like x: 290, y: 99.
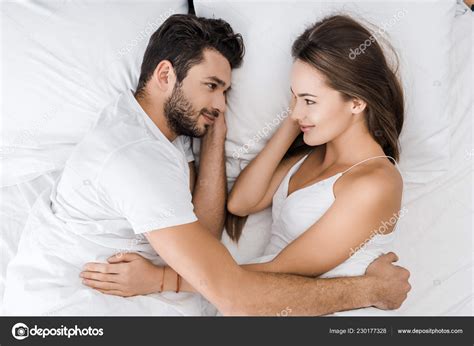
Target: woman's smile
x: 306, y: 128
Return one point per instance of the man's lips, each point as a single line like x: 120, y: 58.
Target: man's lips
x: 209, y: 118
x: 306, y: 128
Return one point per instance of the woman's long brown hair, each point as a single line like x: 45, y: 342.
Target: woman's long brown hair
x: 354, y: 64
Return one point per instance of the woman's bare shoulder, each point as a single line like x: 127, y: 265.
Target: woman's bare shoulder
x: 373, y: 177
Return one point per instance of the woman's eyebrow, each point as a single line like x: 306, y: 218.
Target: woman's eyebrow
x: 303, y: 94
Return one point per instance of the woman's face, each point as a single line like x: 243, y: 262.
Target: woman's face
x: 322, y: 113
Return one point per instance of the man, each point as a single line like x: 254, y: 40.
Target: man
x: 128, y: 188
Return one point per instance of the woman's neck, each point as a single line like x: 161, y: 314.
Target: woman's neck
x: 352, y: 146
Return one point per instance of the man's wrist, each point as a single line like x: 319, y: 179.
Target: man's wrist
x: 212, y: 138
x: 370, y: 290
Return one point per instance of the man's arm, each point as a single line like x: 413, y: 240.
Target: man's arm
x: 210, y: 189
x: 206, y: 264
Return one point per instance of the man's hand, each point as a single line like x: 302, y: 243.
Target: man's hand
x: 390, y: 282
x: 210, y: 190
x: 125, y: 275
x: 217, y: 131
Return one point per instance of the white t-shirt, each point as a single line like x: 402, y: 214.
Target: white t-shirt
x: 125, y: 178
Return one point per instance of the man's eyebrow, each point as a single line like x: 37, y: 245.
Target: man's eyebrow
x: 303, y: 94
x: 217, y: 80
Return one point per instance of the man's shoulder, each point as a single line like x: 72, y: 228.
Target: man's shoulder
x: 119, y: 145
x: 143, y: 163
x: 117, y: 126
x: 146, y: 151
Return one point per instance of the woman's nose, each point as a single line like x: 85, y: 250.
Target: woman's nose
x: 296, y: 114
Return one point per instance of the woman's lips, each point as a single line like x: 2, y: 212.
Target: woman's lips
x: 306, y: 128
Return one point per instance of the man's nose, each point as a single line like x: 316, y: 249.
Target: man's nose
x: 219, y: 104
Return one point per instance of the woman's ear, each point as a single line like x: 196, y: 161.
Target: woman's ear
x: 164, y: 77
x: 358, y: 106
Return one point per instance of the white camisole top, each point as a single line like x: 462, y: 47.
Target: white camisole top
x: 296, y: 213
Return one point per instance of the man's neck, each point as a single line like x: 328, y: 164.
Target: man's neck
x: 156, y: 114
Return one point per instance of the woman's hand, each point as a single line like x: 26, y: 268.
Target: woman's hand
x: 125, y: 275
x: 257, y: 183
x: 292, y: 128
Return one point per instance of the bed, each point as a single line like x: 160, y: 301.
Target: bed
x: 64, y: 61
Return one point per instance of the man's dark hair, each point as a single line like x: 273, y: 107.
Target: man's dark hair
x: 182, y: 39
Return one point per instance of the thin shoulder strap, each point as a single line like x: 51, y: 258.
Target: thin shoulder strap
x: 370, y: 158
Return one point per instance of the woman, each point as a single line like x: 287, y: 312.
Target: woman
x: 334, y: 192
x: 329, y: 171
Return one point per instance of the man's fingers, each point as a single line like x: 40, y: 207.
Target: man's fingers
x: 123, y: 257
x: 100, y: 276
x: 100, y: 285
x: 390, y: 257
x: 101, y: 268
x: 116, y: 258
x: 113, y: 293
x: 406, y: 273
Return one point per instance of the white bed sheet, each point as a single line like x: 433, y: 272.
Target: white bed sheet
x: 435, y: 239
x: 15, y: 204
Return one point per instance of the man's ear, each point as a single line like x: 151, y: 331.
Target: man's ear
x: 358, y: 106
x: 164, y: 76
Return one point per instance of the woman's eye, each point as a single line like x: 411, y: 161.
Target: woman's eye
x: 309, y: 102
x: 212, y: 86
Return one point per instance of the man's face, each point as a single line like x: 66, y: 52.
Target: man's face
x: 200, y: 97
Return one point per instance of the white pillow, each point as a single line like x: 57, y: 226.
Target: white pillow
x: 418, y: 30
x: 62, y: 63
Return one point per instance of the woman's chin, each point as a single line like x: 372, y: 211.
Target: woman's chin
x: 311, y: 140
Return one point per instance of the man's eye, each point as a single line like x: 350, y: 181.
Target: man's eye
x: 309, y: 102
x: 212, y: 86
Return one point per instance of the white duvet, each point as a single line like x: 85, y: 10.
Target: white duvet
x: 43, y: 279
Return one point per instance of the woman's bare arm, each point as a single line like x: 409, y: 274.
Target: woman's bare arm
x: 361, y: 207
x: 254, y: 188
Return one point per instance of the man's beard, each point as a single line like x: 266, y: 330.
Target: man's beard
x: 182, y: 118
